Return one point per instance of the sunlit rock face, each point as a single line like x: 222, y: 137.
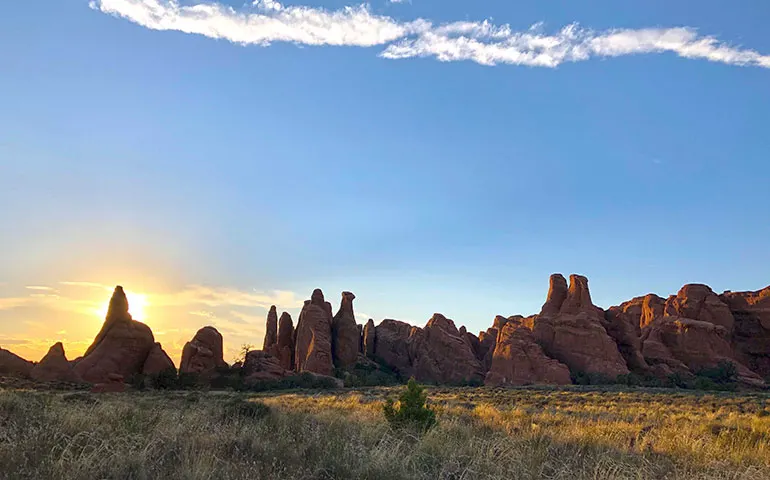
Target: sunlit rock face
x: 570, y: 329
x: 313, y: 344
x: 519, y: 360
x: 121, y: 346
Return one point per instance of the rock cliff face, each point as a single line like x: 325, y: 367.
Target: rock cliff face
x: 54, y: 367
x: 284, y: 347
x: 439, y: 353
x: 14, y: 365
x: 271, y: 329
x: 519, y: 360
x: 121, y: 346
x: 751, y: 332
x: 313, y: 348
x: 368, y: 339
x: 157, y: 361
x: 203, y: 355
x: 345, y: 335
x: 570, y: 329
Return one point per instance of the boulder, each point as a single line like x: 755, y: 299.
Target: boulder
x: 204, y: 354
x: 699, y: 302
x: 121, y: 346
x: 158, y: 361
x: 271, y: 330
x: 368, y: 339
x: 686, y: 345
x: 519, y: 360
x: 440, y: 354
x: 260, y: 366
x: 345, y: 336
x: 313, y: 346
x: 575, y: 334
x: 284, y: 347
x: 12, y: 364
x: 54, y: 367
x: 751, y: 333
x: 390, y: 346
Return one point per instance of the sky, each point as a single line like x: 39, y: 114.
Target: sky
x: 216, y: 158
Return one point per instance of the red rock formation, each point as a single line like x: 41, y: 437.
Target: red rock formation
x: 575, y: 335
x: 622, y: 324
x: 261, y: 366
x: 519, y: 360
x: 12, y: 364
x: 751, y: 334
x: 54, y: 367
x: 113, y: 383
x: 699, y: 302
x: 686, y: 345
x: 121, y: 346
x: 203, y: 355
x: 368, y: 339
x: 284, y: 347
x: 158, y: 361
x: 271, y: 330
x: 345, y: 336
x: 313, y: 345
x: 360, y: 338
x: 390, y: 346
x: 486, y: 349
x: 440, y: 354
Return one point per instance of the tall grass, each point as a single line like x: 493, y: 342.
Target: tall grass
x: 481, y: 434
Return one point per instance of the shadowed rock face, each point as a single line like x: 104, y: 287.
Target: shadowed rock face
x: 751, y: 333
x: 203, y: 355
x: 313, y: 344
x: 121, y: 346
x: 157, y: 361
x: 271, y: 330
x: 440, y: 354
x: 390, y: 346
x: 12, y: 364
x: 283, y: 350
x: 368, y: 339
x: 622, y: 324
x: 699, y: 302
x: 519, y: 360
x: 345, y: 335
x: 575, y: 335
x: 54, y: 367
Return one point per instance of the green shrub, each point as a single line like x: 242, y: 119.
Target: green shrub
x: 724, y: 372
x: 590, y: 378
x: 410, y: 411
x: 165, y: 380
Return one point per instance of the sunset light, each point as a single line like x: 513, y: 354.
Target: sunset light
x: 137, y: 305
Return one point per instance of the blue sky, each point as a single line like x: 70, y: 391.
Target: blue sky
x: 409, y: 152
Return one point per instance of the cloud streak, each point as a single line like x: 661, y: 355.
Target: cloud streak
x: 483, y: 42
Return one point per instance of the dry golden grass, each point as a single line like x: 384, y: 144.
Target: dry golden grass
x: 527, y: 433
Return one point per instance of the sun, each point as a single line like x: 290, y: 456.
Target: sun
x: 137, y: 305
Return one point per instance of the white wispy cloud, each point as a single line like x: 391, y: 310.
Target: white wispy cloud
x: 483, y: 42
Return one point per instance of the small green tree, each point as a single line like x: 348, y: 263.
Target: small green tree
x: 410, y: 411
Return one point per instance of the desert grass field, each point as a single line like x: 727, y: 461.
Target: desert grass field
x: 526, y: 433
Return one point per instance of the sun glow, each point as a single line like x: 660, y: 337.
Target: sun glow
x: 137, y: 305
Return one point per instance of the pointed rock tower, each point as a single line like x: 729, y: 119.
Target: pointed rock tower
x: 121, y: 346
x: 345, y: 335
